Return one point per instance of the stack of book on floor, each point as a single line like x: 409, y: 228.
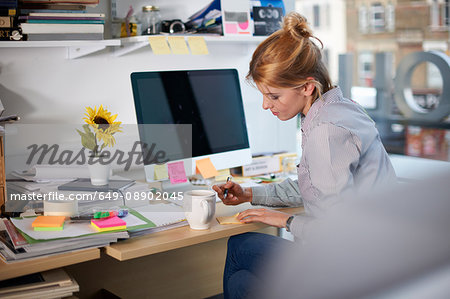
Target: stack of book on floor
x: 49, y: 284
x: 60, y: 20
x: 16, y: 245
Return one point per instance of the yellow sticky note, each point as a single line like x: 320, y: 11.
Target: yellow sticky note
x: 206, y: 168
x: 198, y: 45
x: 159, y: 45
x: 161, y: 172
x: 228, y: 219
x: 178, y: 45
x: 223, y: 175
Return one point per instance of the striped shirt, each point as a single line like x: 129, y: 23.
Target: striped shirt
x: 341, y: 154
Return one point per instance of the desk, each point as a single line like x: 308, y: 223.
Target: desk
x: 177, y: 263
x: 47, y: 263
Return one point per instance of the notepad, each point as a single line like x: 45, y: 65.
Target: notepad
x: 178, y: 45
x: 206, y: 168
x: 48, y: 221
x: 108, y: 224
x: 229, y: 219
x: 159, y: 45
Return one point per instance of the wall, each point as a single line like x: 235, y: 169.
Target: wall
x: 42, y: 86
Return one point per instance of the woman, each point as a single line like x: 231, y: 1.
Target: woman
x: 342, y: 151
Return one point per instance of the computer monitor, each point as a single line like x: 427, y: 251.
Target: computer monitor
x: 210, y: 101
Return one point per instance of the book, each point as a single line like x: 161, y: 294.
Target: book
x: 64, y: 36
x: 28, y: 28
x: 41, y: 6
x: 68, y: 14
x: 12, y: 34
x: 61, y: 1
x: 66, y: 21
x: 17, y: 239
x: 59, y: 18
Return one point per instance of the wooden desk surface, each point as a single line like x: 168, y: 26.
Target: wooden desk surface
x: 184, y: 236
x: 46, y: 263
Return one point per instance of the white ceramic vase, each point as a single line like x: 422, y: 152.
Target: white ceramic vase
x: 99, y: 173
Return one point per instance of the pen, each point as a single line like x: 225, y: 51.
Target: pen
x: 225, y: 192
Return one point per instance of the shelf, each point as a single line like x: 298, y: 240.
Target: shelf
x: 75, y: 48
x: 130, y: 44
x: 122, y: 46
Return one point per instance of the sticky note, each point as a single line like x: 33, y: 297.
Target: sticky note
x: 176, y: 172
x: 48, y: 221
x: 198, y: 45
x: 108, y: 224
x: 206, y: 168
x: 223, y: 175
x: 160, y: 172
x: 159, y: 45
x: 178, y: 45
x: 229, y: 219
x: 49, y: 228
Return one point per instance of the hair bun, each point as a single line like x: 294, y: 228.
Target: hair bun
x: 296, y: 25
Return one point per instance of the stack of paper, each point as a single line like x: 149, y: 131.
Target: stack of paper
x: 109, y: 224
x: 48, y: 223
x: 49, y: 284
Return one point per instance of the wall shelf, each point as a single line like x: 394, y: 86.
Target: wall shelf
x: 122, y: 46
x: 130, y: 44
x: 75, y: 48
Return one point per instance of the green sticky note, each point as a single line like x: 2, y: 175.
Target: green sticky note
x: 49, y: 228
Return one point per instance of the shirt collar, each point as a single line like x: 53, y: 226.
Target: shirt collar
x: 307, y: 119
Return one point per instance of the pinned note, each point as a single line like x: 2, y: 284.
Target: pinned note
x: 176, y: 172
x: 206, y: 168
x: 198, y: 45
x: 223, y: 175
x: 159, y: 45
x: 161, y: 172
x: 178, y: 45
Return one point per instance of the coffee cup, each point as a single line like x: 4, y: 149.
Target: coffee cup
x: 199, y: 208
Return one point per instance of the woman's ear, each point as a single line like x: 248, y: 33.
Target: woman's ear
x: 309, y: 87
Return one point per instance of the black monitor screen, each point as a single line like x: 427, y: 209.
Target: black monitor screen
x: 209, y: 100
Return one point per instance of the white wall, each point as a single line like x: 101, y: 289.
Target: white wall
x: 42, y: 86
x: 332, y: 30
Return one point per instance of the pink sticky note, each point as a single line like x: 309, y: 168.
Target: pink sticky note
x: 176, y: 172
x: 109, y: 222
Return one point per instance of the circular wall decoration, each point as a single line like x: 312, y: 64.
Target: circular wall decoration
x: 403, y: 91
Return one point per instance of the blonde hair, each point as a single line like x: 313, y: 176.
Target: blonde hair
x: 288, y: 57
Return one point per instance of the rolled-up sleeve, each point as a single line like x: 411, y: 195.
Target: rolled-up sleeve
x: 284, y: 194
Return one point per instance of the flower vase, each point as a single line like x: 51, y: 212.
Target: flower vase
x: 99, y: 173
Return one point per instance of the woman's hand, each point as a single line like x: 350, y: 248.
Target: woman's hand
x: 270, y: 217
x: 236, y: 194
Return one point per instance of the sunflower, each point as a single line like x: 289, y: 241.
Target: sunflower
x: 103, y: 124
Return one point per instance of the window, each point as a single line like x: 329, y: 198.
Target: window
x: 439, y: 14
x: 365, y: 69
x: 362, y: 19
x: 390, y: 17
x: 316, y: 16
x: 377, y: 17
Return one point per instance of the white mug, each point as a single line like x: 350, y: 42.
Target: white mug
x: 199, y: 208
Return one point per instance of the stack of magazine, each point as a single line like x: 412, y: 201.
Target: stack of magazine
x: 17, y: 246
